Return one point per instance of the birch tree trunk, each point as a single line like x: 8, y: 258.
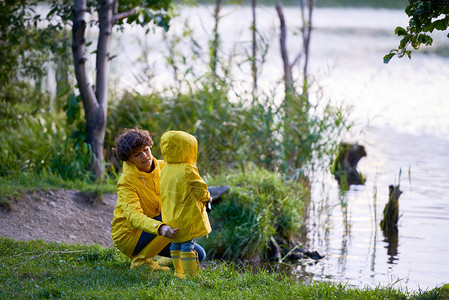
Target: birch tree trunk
x: 94, y: 101
x: 95, y: 96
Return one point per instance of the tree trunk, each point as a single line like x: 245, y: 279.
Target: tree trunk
x: 254, y: 49
x: 306, y: 36
x: 306, y: 31
x: 216, y: 42
x: 288, y: 78
x: 94, y: 103
x: 295, y: 105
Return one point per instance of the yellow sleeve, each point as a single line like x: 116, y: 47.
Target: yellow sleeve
x: 129, y: 201
x: 198, y: 186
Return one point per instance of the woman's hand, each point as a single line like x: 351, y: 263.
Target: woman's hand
x: 167, y: 231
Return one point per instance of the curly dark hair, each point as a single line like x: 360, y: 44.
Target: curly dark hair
x: 130, y: 140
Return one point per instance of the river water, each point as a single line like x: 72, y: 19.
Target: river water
x: 400, y: 113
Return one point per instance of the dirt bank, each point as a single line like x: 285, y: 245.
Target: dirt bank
x: 66, y: 216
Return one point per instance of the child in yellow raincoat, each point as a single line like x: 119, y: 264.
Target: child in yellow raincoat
x: 184, y: 196
x: 137, y: 228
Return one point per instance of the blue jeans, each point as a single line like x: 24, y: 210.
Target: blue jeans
x: 187, y: 246
x: 146, y: 237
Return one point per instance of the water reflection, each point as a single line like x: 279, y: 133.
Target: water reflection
x: 346, y: 232
x: 392, y: 240
x: 358, y: 251
x: 389, y: 223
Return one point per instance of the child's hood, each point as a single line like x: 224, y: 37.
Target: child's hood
x: 179, y: 147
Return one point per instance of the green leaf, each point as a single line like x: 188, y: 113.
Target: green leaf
x: 440, y: 24
x: 400, y: 31
x: 71, y: 100
x: 429, y: 27
x: 52, y: 12
x: 388, y: 57
x: 409, y: 10
x: 425, y: 39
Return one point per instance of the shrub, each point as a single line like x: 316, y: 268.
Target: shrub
x: 40, y: 143
x: 260, y: 207
x: 234, y: 133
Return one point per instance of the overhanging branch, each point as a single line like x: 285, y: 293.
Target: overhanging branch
x: 124, y: 15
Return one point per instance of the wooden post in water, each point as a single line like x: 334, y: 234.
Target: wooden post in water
x: 391, y: 211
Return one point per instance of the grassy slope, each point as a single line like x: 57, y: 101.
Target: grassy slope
x: 46, y: 270
x: 12, y: 186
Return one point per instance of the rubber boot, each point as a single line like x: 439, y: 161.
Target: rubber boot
x: 189, y: 261
x: 164, y: 261
x: 176, y: 259
x: 147, y: 262
x: 143, y: 258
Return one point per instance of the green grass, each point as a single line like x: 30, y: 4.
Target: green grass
x: 13, y: 185
x: 36, y: 269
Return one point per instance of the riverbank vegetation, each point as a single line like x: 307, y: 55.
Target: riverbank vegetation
x: 286, y: 132
x: 261, y: 213
x: 264, y: 146
x: 50, y: 270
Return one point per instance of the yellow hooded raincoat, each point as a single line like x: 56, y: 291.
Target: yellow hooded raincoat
x: 138, y: 202
x: 183, y: 192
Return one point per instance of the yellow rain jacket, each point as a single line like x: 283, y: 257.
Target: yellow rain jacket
x: 138, y: 202
x: 184, y: 193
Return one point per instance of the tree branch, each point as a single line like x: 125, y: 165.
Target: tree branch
x: 295, y: 61
x: 124, y: 14
x: 288, y: 78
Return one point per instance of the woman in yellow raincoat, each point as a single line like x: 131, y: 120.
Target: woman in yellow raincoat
x: 184, y: 196
x: 137, y: 228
